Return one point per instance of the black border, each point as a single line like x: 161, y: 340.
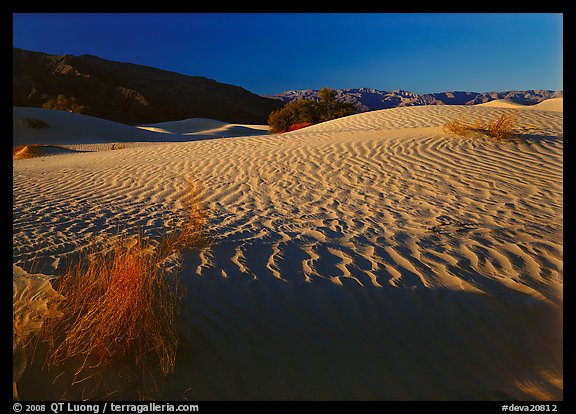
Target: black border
x: 293, y: 6
x: 367, y: 6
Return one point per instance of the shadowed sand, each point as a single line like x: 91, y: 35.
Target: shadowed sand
x: 85, y: 132
x: 370, y: 257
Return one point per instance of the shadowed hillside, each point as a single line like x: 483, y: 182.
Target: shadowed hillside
x: 130, y: 93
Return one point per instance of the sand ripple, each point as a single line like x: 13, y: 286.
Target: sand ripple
x: 378, y: 202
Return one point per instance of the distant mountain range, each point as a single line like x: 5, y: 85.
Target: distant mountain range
x: 372, y: 99
x: 129, y: 93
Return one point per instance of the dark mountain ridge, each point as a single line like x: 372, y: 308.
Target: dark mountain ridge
x: 131, y: 93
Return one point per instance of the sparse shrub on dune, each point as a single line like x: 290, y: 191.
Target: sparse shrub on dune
x: 502, y: 129
x: 192, y: 234
x: 329, y: 108
x: 461, y: 127
x: 295, y: 112
x: 36, y: 150
x: 25, y: 151
x: 121, y: 303
x: 303, y: 111
x: 299, y: 126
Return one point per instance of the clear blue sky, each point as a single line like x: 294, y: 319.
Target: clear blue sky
x: 270, y: 53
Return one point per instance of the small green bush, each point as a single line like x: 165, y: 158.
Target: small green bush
x: 304, y: 111
x: 294, y: 112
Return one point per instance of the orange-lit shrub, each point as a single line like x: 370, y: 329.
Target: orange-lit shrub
x: 299, y: 126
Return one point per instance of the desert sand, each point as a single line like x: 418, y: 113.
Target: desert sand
x: 554, y: 104
x: 84, y: 132
x: 202, y: 128
x: 374, y: 256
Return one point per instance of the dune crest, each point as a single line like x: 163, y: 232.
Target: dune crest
x: 75, y: 130
x: 552, y: 104
x: 206, y: 128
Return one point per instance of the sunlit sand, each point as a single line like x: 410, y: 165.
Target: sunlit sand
x: 374, y: 256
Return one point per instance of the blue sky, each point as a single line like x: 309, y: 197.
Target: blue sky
x: 270, y: 53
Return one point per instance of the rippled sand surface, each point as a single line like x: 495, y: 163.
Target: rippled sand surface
x: 371, y: 257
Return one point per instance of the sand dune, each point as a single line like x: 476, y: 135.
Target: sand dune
x: 66, y: 128
x: 369, y: 257
x: 33, y: 301
x: 504, y: 103
x: 71, y: 128
x: 553, y: 104
x: 186, y: 126
x: 206, y: 128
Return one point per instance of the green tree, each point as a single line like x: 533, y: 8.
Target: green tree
x: 294, y: 112
x: 330, y: 108
x: 303, y: 111
x: 327, y: 95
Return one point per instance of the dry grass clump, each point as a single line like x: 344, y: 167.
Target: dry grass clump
x: 120, y: 303
x: 192, y: 233
x: 462, y: 127
x: 501, y: 129
x: 25, y: 151
x: 37, y: 150
x: 298, y: 126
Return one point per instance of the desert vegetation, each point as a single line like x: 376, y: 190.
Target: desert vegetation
x: 65, y: 103
x: 502, y: 129
x: 304, y: 112
x: 21, y: 152
x: 120, y: 302
x: 299, y: 126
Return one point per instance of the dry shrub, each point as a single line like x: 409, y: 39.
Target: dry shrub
x: 120, y: 303
x: 461, y: 127
x: 300, y: 125
x: 25, y: 151
x: 192, y: 233
x: 501, y: 129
